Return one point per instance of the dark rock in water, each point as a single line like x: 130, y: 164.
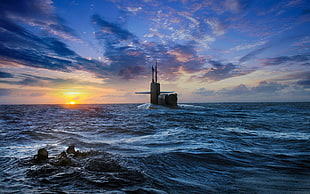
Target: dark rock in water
x: 62, y: 155
x: 63, y: 160
x: 42, y: 153
x: 71, y: 150
x: 41, y: 156
x: 97, y: 169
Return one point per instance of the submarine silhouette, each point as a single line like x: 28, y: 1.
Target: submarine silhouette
x: 168, y: 99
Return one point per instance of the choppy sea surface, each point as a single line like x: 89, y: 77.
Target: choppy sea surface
x: 126, y: 148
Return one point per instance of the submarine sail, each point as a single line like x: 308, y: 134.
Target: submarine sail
x: 157, y: 97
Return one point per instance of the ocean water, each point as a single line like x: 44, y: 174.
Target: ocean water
x: 126, y: 148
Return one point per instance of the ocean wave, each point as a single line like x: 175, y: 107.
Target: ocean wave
x: 198, y: 148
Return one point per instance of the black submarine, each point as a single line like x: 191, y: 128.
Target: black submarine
x: 167, y: 99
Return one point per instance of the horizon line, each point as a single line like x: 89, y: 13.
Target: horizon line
x: 149, y: 103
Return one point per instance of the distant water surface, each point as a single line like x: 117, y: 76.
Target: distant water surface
x: 199, y: 148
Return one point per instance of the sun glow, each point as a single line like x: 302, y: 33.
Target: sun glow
x: 71, y: 102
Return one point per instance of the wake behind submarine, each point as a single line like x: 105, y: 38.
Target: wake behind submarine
x: 167, y: 99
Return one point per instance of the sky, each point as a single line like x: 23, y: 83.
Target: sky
x: 102, y: 51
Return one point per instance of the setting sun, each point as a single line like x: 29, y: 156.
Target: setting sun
x: 71, y: 102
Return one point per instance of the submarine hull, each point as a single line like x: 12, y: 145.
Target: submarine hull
x: 170, y: 100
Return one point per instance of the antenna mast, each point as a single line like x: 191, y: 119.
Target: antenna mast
x: 152, y: 74
x: 156, y: 72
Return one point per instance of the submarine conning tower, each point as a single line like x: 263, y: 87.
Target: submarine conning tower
x: 161, y: 98
x: 157, y: 97
x: 155, y: 87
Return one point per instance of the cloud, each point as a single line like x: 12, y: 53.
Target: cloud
x: 185, y: 56
x: 22, y: 47
x: 176, y: 25
x: 30, y: 82
x: 302, y: 58
x: 277, y: 43
x: 239, y: 90
x: 252, y: 54
x: 107, y: 28
x: 122, y: 49
x: 268, y: 87
x: 248, y: 46
x: 26, y: 81
x: 175, y: 58
x: 128, y: 56
x: 33, y: 58
x: 263, y: 88
x: 37, y: 94
x: 125, y: 56
x: 4, y: 92
x: 124, y: 95
x: 232, y: 7
x: 170, y: 27
x: 5, y: 75
x: 204, y: 92
x: 39, y: 13
x: 29, y: 9
x: 131, y: 72
x: 217, y: 27
x: 236, y: 6
x: 182, y: 53
x: 59, y: 47
x: 40, y: 81
x: 305, y: 82
x: 221, y: 71
x: 264, y: 91
x: 293, y: 3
